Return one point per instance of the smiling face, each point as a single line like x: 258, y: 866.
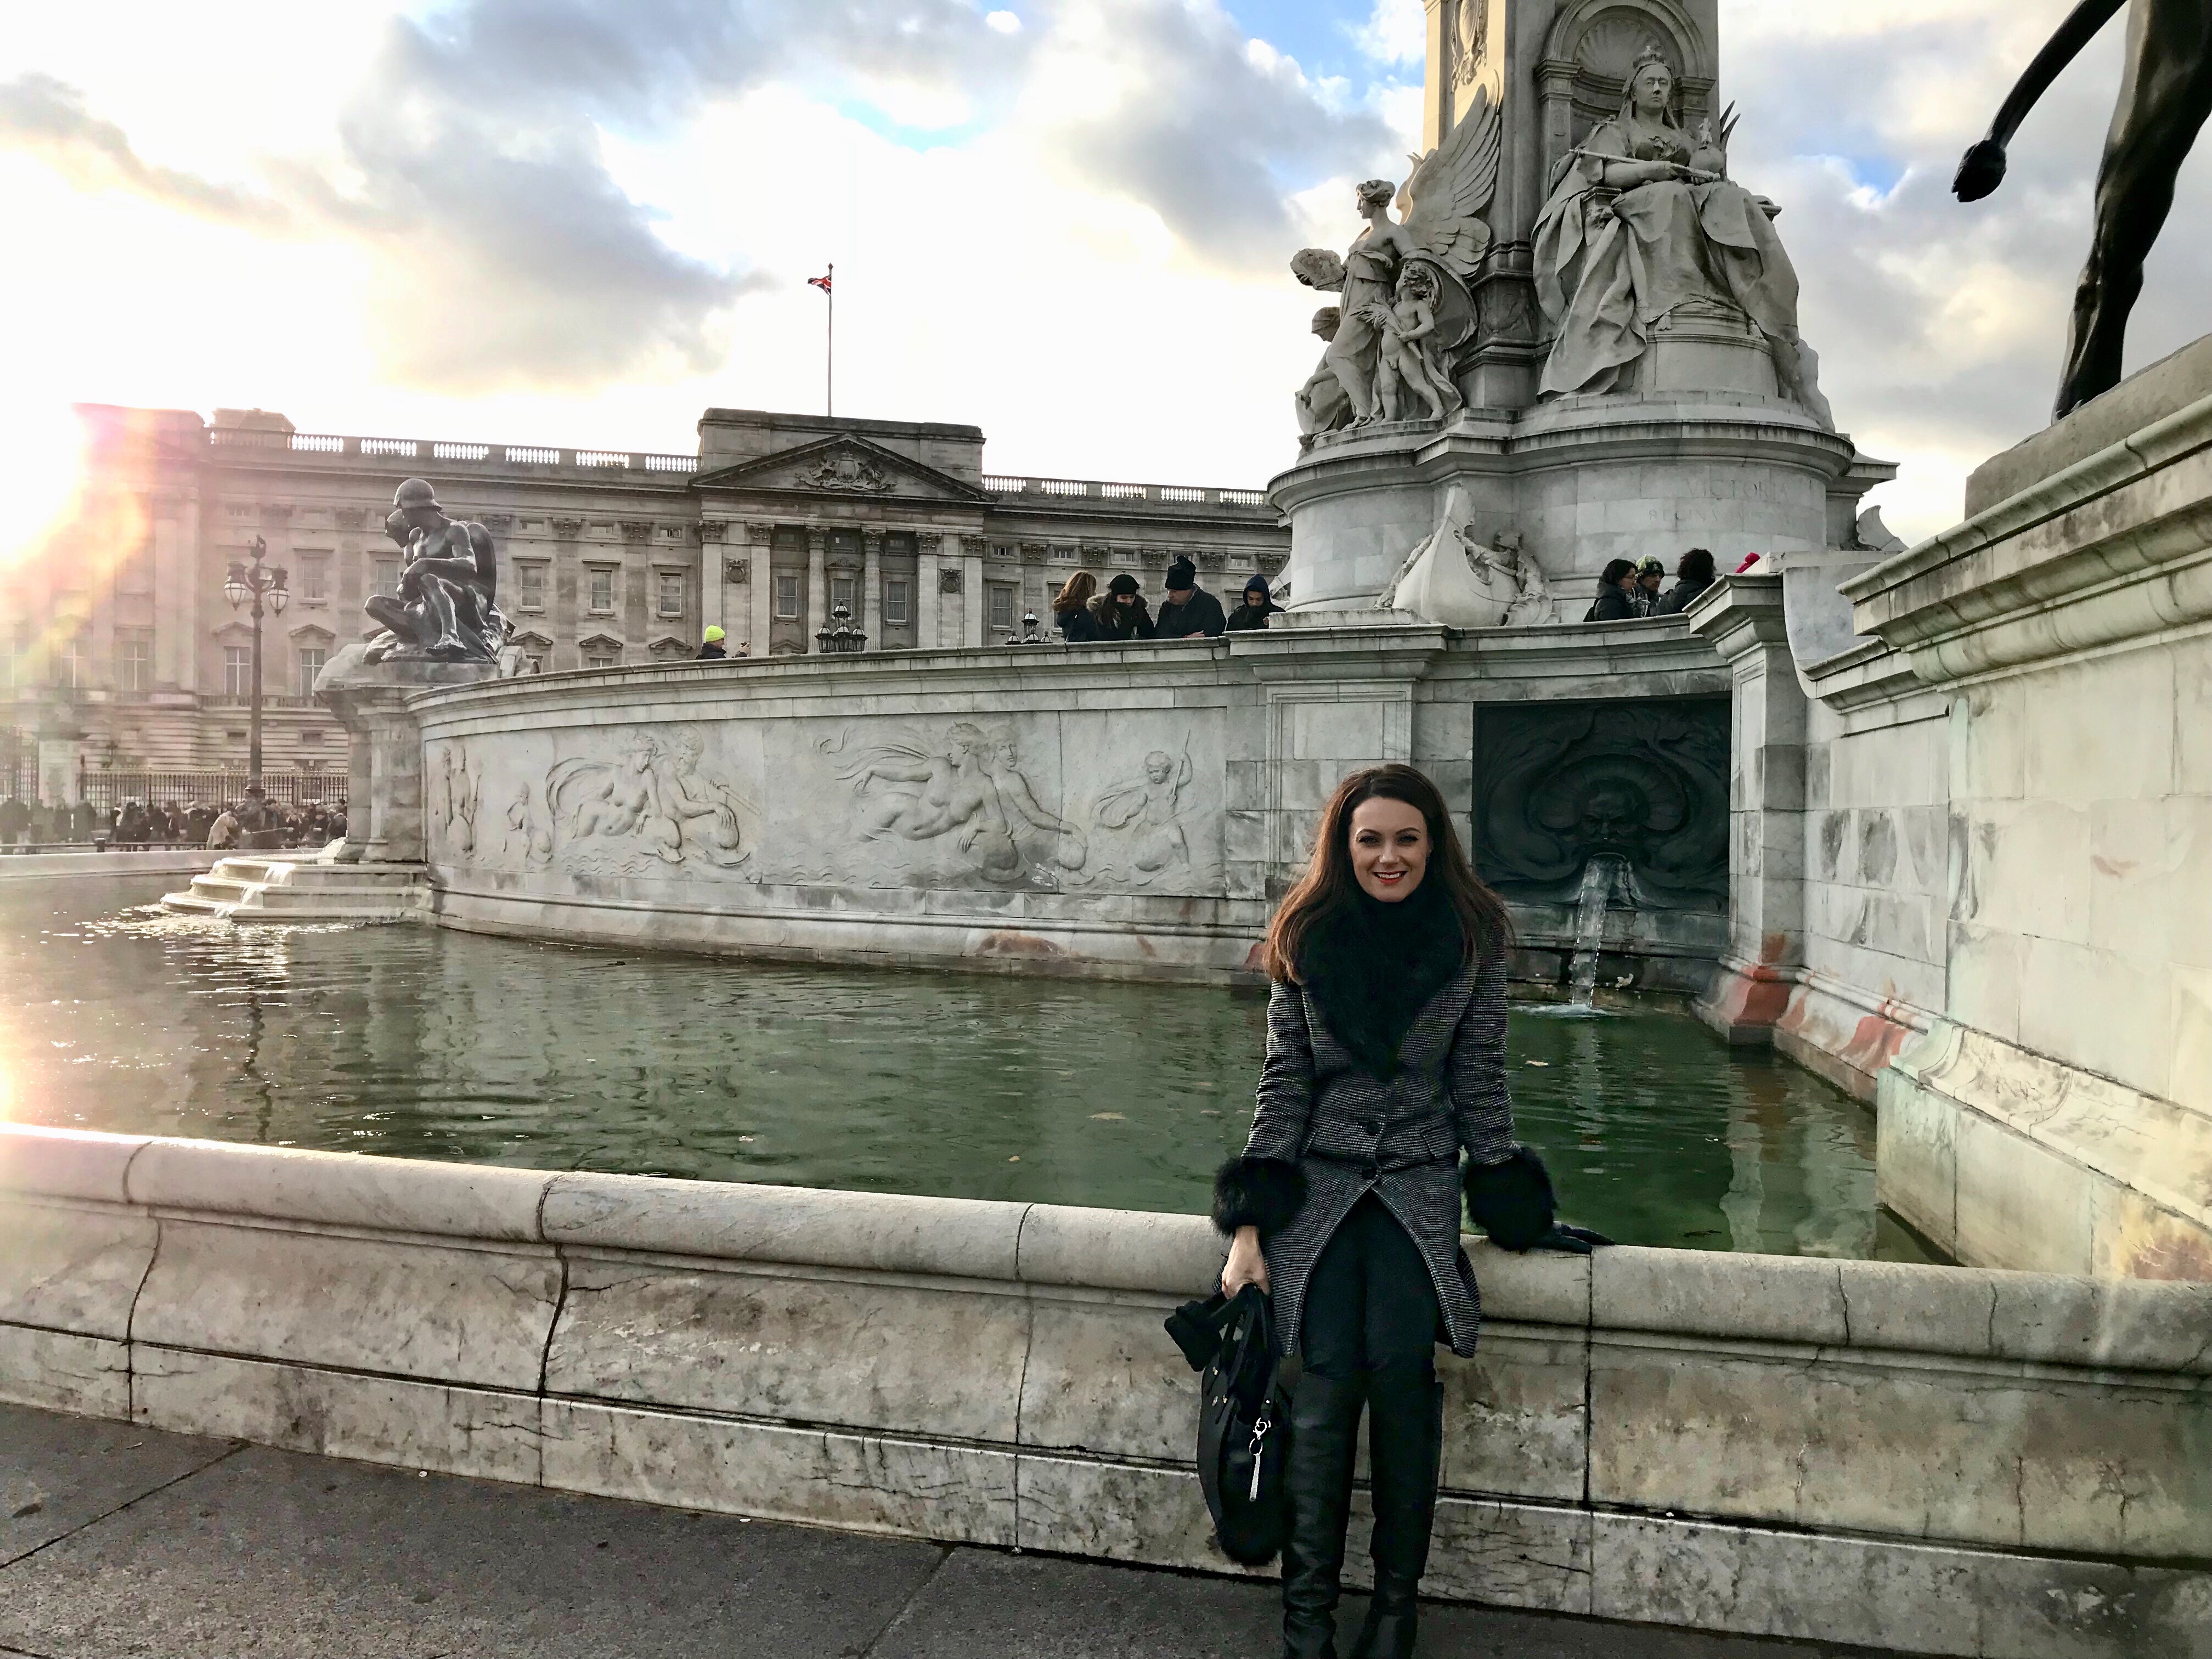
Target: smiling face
x: 1389, y: 848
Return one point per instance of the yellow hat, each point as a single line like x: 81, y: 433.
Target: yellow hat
x: 714, y: 636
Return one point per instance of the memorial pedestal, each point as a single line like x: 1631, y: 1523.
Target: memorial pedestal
x: 384, y: 799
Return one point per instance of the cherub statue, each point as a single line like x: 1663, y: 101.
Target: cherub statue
x: 1441, y: 203
x: 1409, y: 364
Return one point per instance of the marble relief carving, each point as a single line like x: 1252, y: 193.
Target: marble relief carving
x: 528, y: 843
x: 654, y: 806
x: 846, y: 469
x: 964, y: 790
x: 1137, y: 826
x: 455, y: 794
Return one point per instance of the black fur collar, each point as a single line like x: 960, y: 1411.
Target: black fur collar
x: 1372, y: 967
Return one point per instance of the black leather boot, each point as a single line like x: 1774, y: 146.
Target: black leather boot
x: 1324, y: 1440
x: 1405, y: 1453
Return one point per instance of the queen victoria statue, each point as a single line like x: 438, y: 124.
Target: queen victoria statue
x: 1643, y: 232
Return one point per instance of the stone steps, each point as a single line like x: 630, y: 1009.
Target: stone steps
x: 259, y: 888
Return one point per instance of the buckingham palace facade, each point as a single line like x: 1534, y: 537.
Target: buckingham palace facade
x: 120, y: 639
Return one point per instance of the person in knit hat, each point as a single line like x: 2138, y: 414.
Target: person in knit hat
x: 1120, y: 610
x: 1259, y: 604
x: 712, y: 650
x: 1190, y: 611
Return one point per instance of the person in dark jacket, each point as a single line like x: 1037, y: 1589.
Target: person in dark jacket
x: 710, y: 646
x: 1071, y: 610
x: 1385, y: 1062
x: 1650, y: 577
x: 1121, y: 612
x: 1616, y: 595
x: 1259, y: 604
x: 1692, y: 576
x: 1190, y: 611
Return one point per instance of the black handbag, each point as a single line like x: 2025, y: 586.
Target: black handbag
x: 1243, y: 1420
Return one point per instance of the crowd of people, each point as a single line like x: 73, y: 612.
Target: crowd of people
x: 1629, y: 588
x: 1085, y: 614
x: 252, y: 820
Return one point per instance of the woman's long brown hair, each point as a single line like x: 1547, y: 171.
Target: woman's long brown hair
x: 1074, y: 593
x: 1328, y: 882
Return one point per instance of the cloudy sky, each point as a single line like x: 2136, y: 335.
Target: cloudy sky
x: 581, y: 222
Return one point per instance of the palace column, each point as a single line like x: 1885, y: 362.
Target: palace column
x: 760, y: 544
x: 871, y: 587
x: 713, y: 603
x: 818, y: 583
x: 927, y: 602
x: 970, y: 548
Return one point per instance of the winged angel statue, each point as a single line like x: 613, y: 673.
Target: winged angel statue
x: 1406, y: 309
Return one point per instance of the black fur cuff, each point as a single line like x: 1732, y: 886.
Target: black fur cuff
x: 1511, y: 1202
x: 1257, y: 1192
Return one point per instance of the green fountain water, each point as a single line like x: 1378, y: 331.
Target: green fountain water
x: 417, y: 1042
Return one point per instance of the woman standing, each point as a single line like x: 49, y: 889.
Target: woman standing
x: 1386, y: 1059
x: 1071, y: 610
x: 1616, y: 593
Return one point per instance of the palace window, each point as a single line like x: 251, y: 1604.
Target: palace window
x: 786, y: 595
x: 840, y: 592
x: 311, y: 663
x: 134, y: 663
x: 385, y: 574
x: 1002, y: 606
x: 532, y: 579
x: 76, y: 662
x: 314, y: 580
x: 602, y: 656
x: 895, y: 601
x: 671, y: 592
x: 603, y: 588
x: 237, y: 671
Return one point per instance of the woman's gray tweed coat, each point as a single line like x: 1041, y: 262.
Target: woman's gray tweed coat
x: 1351, y: 1134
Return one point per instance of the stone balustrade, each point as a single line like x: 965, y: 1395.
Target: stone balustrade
x: 1936, y: 1460
x: 462, y: 459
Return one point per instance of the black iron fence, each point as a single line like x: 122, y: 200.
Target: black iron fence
x: 109, y: 790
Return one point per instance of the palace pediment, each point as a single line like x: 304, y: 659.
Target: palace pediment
x: 843, y: 465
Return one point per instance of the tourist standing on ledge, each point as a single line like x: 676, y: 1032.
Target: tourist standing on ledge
x: 710, y: 648
x: 1650, y: 577
x: 1386, y: 1059
x: 1121, y: 612
x: 1616, y: 595
x: 1692, y: 576
x: 1190, y: 611
x: 1071, y: 610
x: 1259, y: 604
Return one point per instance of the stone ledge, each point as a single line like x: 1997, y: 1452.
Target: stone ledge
x: 996, y: 1373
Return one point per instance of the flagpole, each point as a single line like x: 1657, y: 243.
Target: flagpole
x: 830, y: 365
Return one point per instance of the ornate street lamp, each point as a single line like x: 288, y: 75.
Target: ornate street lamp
x: 263, y: 588
x: 838, y: 637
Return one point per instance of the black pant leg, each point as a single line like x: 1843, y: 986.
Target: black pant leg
x: 1400, y: 1303
x: 1334, y: 1342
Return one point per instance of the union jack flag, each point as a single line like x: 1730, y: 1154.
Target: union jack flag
x: 822, y: 282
